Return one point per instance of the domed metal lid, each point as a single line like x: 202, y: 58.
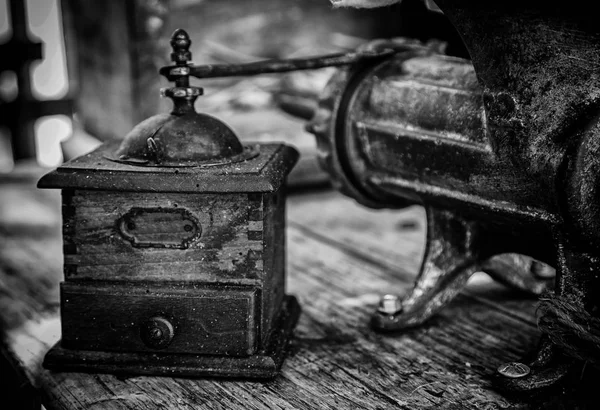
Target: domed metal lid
x: 193, y: 139
x: 184, y: 137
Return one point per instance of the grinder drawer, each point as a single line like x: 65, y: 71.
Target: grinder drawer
x: 182, y: 319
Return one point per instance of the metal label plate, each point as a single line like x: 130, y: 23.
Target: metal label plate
x: 159, y: 228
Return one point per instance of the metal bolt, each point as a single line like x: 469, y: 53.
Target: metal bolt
x: 514, y: 370
x: 390, y: 305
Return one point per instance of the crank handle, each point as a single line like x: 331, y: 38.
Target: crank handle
x: 181, y: 56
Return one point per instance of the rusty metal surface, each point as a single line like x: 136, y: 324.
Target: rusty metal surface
x: 189, y: 140
x: 504, y: 148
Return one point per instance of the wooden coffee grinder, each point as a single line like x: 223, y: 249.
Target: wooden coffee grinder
x: 174, y: 249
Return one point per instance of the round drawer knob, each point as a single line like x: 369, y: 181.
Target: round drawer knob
x: 157, y: 332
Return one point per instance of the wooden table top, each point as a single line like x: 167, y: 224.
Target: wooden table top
x: 341, y: 258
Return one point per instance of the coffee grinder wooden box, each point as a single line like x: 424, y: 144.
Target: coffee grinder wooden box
x: 174, y: 251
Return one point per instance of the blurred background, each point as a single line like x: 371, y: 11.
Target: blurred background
x: 47, y: 78
x: 92, y: 66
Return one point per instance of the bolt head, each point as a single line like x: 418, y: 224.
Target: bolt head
x: 390, y: 305
x: 514, y: 370
x: 157, y: 332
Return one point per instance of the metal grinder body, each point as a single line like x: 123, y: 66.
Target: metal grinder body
x: 501, y: 150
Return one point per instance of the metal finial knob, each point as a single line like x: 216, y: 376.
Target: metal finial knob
x: 180, y: 42
x: 185, y: 138
x: 183, y: 95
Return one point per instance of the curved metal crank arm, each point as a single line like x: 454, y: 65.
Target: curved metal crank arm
x: 172, y: 73
x: 375, y: 50
x: 451, y: 257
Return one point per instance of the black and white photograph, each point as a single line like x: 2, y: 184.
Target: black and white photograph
x: 299, y: 204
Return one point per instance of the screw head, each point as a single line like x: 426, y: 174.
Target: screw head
x: 514, y: 370
x: 157, y: 332
x: 390, y: 305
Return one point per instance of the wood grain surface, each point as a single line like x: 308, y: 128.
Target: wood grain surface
x: 341, y: 258
x: 96, y: 247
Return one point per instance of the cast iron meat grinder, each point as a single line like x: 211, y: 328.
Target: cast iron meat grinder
x: 503, y: 153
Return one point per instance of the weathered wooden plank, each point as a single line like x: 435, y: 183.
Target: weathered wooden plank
x: 336, y: 360
x: 344, y: 301
x: 395, y: 237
